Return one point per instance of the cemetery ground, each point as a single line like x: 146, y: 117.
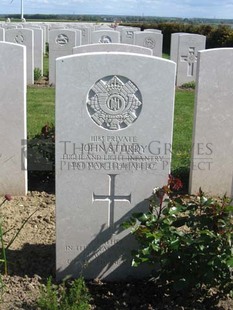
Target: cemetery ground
x: 31, y: 258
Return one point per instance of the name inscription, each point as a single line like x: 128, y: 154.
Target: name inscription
x: 114, y: 153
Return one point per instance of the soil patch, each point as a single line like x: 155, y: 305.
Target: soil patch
x: 31, y: 260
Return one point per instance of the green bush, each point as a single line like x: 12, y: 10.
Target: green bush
x: 37, y: 74
x: 187, y: 239
x: 41, y: 150
x: 216, y: 36
x: 188, y: 85
x: 69, y: 296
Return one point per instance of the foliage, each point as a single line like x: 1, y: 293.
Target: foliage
x: 37, y: 74
x: 187, y: 239
x: 68, y: 296
x: 216, y: 36
x: 41, y: 153
x: 46, y: 62
x: 188, y: 85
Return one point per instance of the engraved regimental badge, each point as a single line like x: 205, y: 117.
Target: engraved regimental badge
x: 19, y: 38
x: 62, y: 39
x: 105, y: 39
x: 114, y: 102
x: 149, y: 42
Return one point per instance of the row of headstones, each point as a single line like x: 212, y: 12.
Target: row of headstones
x: 114, y: 123
x: 63, y: 42
x: 184, y: 48
x: 32, y: 39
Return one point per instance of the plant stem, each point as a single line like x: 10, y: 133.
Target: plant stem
x: 3, y: 250
x: 3, y: 202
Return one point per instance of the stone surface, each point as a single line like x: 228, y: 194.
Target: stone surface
x: 105, y: 36
x: 186, y: 47
x: 212, y: 161
x: 151, y: 40
x: 114, y: 120
x: 153, y: 30
x: 127, y: 34
x: 38, y: 48
x: 85, y: 35
x: 13, y: 134
x: 2, y: 34
x: 24, y: 37
x: 61, y: 43
x: 114, y: 47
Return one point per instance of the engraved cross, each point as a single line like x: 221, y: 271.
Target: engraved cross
x: 111, y: 198
x: 191, y: 59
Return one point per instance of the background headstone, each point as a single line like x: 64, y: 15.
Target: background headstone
x: 38, y: 48
x: 187, y: 46
x: 153, y: 30
x: 86, y: 35
x: 105, y: 36
x: 114, y: 120
x: 212, y: 160
x: 152, y: 40
x: 24, y: 37
x: 127, y: 34
x: 114, y: 47
x: 13, y: 134
x: 61, y: 43
x: 2, y: 34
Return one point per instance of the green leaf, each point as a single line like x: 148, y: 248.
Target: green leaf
x: 175, y: 244
x: 230, y: 262
x: 135, y: 263
x: 146, y: 251
x: 155, y: 245
x: 229, y: 208
x: 180, y: 284
x: 144, y: 217
x: 207, y: 232
x: 201, y: 247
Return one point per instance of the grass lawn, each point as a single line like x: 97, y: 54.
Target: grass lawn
x: 40, y: 108
x: 183, y: 125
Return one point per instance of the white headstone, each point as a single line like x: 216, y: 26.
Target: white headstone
x: 212, y: 160
x: 86, y: 35
x: 35, y: 26
x: 127, y: 34
x: 151, y: 40
x: 114, y: 120
x: 114, y: 47
x: 2, y: 34
x: 7, y: 26
x: 57, y: 26
x: 24, y: 37
x: 153, y: 30
x: 78, y: 37
x: 38, y: 48
x: 105, y: 36
x: 61, y: 43
x: 13, y: 133
x: 187, y: 46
